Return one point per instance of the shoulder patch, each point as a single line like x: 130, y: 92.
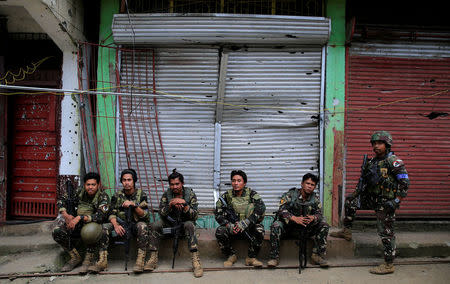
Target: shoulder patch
x: 104, y: 208
x: 397, y: 163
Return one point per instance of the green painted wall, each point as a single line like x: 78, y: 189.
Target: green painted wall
x: 106, y: 105
x: 334, y: 97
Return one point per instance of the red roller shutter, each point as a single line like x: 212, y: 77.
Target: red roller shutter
x: 409, y: 97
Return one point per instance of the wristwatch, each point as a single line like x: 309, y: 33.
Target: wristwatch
x: 397, y: 201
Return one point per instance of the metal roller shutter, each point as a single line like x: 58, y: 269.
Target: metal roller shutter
x: 186, y: 77
x: 404, y: 89
x: 275, y: 139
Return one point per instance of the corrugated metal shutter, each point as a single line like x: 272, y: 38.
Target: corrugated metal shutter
x: 219, y: 28
x: 275, y: 138
x: 188, y: 78
x: 399, y: 88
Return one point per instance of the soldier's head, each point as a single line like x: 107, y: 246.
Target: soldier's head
x: 176, y: 182
x: 238, y: 180
x: 381, y: 143
x: 128, y: 178
x: 309, y: 182
x: 91, y: 183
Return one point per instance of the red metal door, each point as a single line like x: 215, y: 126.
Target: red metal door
x: 34, y: 150
x: 409, y: 97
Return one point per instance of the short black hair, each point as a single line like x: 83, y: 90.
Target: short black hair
x: 239, y: 173
x: 175, y: 175
x: 91, y: 175
x: 131, y: 172
x: 311, y: 176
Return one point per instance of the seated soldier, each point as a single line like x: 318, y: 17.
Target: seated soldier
x: 81, y: 214
x: 289, y: 221
x: 178, y: 204
x: 239, y: 212
x: 134, y: 199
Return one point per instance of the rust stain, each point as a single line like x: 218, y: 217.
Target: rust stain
x: 338, y: 177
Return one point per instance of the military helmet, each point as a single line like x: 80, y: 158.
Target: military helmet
x: 91, y: 233
x: 384, y: 136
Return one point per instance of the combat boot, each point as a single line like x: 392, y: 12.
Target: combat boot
x: 252, y: 261
x: 151, y: 263
x: 75, y: 259
x: 198, y: 270
x: 229, y: 262
x: 345, y: 233
x: 101, y: 264
x: 384, y: 268
x: 88, y: 259
x: 318, y: 260
x: 273, y: 263
x: 140, y: 260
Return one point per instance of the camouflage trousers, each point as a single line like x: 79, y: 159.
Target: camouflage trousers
x: 156, y: 233
x: 67, y: 238
x: 279, y: 230
x: 139, y: 230
x: 385, y: 222
x: 224, y: 238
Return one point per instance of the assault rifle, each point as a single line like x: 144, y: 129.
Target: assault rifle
x: 127, y: 225
x: 70, y: 206
x: 176, y: 230
x: 360, y: 188
x: 233, y: 218
x: 302, y: 242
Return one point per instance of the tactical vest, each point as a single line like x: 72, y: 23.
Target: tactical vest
x: 85, y: 205
x: 241, y: 204
x: 186, y: 194
x: 122, y: 215
x: 296, y: 203
x: 379, y: 179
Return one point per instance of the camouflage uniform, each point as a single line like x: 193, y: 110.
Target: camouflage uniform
x: 188, y: 218
x: 95, y: 208
x: 139, y: 227
x: 291, y: 204
x: 384, y: 179
x: 248, y: 206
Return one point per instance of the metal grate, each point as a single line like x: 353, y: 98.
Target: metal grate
x: 34, y: 207
x: 255, y: 7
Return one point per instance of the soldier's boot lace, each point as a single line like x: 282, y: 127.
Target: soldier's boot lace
x: 384, y: 268
x: 318, y: 260
x: 345, y: 233
x: 88, y: 259
x: 252, y: 261
x: 198, y: 270
x: 75, y: 259
x: 151, y: 263
x: 101, y: 264
x: 229, y: 262
x: 273, y: 262
x: 140, y: 261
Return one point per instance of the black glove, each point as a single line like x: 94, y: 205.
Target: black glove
x: 391, y: 205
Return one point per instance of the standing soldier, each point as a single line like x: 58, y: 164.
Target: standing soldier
x: 385, y: 183
x: 134, y: 199
x: 239, y: 212
x: 90, y: 207
x: 178, y: 204
x: 291, y: 219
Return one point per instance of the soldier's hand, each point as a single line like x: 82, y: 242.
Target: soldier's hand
x: 309, y: 219
x: 128, y: 203
x: 241, y: 226
x: 73, y: 222
x: 119, y: 230
x: 299, y: 220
